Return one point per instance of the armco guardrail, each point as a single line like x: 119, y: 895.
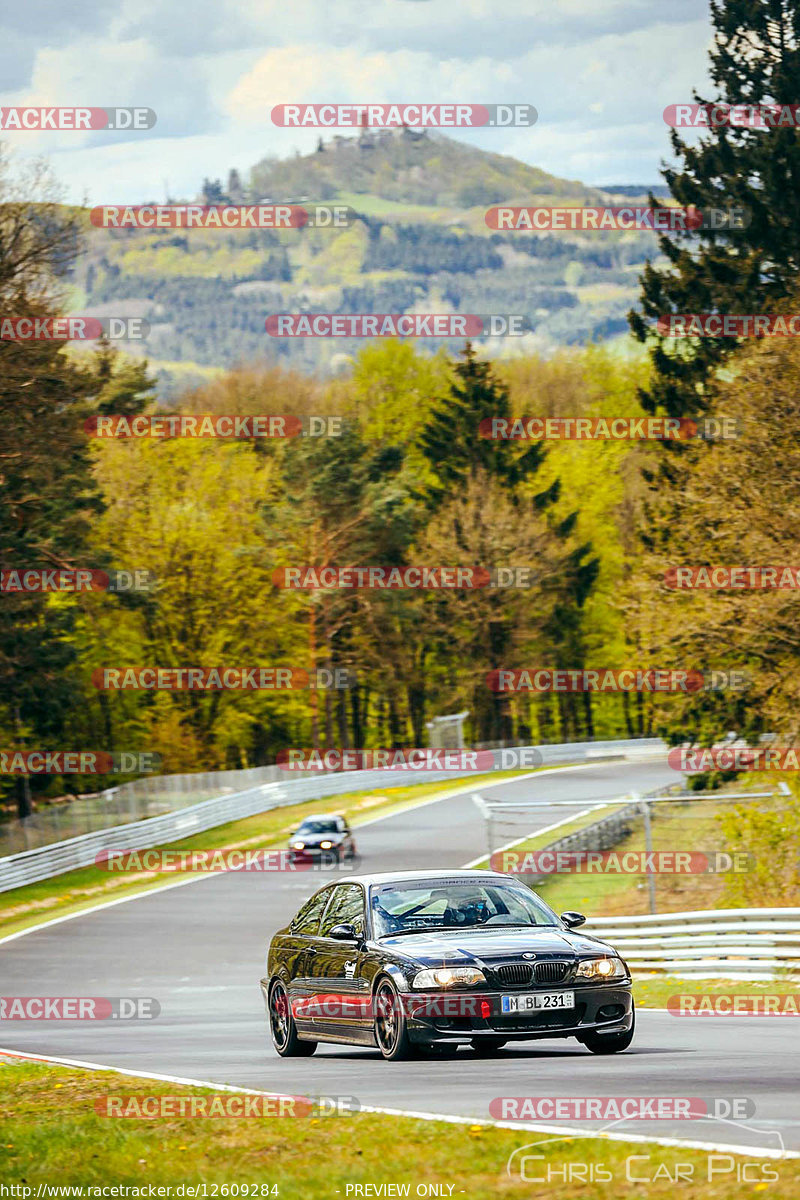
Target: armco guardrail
x: 726, y: 943
x: 149, y: 796
x: 29, y: 866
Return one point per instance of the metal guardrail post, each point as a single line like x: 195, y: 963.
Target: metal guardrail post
x: 648, y: 845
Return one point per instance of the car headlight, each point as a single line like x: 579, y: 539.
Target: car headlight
x: 449, y: 977
x: 298, y: 845
x: 600, y: 968
x: 325, y: 845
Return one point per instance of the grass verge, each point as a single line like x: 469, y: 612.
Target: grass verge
x: 51, y: 1134
x: 653, y: 991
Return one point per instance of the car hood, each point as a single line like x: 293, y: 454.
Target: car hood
x: 466, y: 945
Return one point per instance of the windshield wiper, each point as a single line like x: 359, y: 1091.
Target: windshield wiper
x: 429, y: 929
x: 513, y: 925
x: 468, y: 928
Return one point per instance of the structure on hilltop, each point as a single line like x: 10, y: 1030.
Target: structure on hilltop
x: 371, y: 139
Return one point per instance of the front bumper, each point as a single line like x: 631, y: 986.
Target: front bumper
x: 315, y: 854
x: 443, y: 1016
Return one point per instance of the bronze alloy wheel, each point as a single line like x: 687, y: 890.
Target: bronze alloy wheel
x: 282, y: 1026
x: 391, y: 1034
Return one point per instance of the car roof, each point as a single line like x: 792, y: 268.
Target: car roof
x: 321, y: 817
x: 460, y: 876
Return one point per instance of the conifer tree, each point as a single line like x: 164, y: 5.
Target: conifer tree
x: 755, y: 60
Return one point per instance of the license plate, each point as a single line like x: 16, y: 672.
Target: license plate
x: 535, y: 1001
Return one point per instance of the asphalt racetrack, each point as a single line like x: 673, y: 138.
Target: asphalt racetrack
x: 199, y: 948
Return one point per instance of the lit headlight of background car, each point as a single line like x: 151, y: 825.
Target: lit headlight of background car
x: 445, y: 977
x: 297, y: 845
x: 601, y: 968
x: 325, y: 845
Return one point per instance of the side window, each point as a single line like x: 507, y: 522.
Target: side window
x: 307, y: 920
x: 346, y: 907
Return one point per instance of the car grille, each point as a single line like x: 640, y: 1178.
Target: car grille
x: 524, y: 974
x: 550, y: 972
x: 514, y: 974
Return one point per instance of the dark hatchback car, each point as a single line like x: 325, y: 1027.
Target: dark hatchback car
x: 403, y: 961
x: 327, y: 839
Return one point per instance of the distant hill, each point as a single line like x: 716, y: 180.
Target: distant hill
x: 411, y: 167
x: 420, y: 243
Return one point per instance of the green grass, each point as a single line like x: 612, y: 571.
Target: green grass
x: 77, y: 890
x: 50, y: 1133
x: 653, y: 991
x: 378, y: 206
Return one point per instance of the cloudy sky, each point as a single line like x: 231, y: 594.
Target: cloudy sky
x: 600, y: 73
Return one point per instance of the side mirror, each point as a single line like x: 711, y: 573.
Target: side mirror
x: 343, y: 933
x: 573, y: 919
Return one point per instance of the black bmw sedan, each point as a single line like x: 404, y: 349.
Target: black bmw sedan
x: 403, y: 961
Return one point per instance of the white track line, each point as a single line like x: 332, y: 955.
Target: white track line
x: 562, y: 1130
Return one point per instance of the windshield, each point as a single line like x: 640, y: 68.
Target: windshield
x: 317, y: 827
x: 437, y: 904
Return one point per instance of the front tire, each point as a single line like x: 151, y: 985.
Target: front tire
x: 610, y: 1043
x: 282, y: 1026
x: 391, y: 1032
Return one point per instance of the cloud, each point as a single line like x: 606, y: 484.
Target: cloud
x: 129, y: 74
x: 318, y: 74
x: 599, y: 76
